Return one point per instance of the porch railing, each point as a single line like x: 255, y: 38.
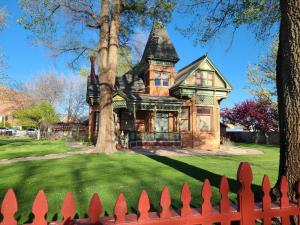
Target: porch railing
x: 154, y: 136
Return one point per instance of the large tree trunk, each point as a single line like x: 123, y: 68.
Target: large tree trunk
x: 108, y: 53
x: 288, y: 89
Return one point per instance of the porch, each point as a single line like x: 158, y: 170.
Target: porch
x: 151, y: 139
x: 148, y: 124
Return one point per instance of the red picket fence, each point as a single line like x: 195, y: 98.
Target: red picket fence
x: 246, y: 212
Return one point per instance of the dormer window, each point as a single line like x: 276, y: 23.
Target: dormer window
x: 204, y: 78
x: 161, y: 78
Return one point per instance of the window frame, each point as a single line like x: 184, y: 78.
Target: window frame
x: 210, y: 114
x: 159, y: 81
x: 185, y: 119
x: 203, y: 82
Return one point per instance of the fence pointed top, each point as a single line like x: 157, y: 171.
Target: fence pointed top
x: 9, y: 207
x: 266, y: 184
x: 165, y: 202
x: 40, y: 204
x: 95, y: 209
x: 120, y: 209
x: 186, y: 199
x: 206, y: 194
x: 284, y: 200
x: 224, y: 186
x: 224, y: 190
x: 40, y: 208
x: 245, y: 175
x: 68, y: 209
x: 266, y: 187
x: 144, y: 206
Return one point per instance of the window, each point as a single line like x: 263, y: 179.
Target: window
x: 161, y: 78
x: 204, y: 78
x: 185, y: 119
x: 126, y: 121
x: 204, y: 118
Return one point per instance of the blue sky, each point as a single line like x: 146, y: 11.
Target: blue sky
x: 24, y: 60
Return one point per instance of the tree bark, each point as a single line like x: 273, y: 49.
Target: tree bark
x: 288, y: 89
x: 108, y: 53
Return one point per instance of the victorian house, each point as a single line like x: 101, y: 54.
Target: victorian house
x: 156, y: 106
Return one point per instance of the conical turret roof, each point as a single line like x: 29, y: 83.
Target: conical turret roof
x: 159, y: 45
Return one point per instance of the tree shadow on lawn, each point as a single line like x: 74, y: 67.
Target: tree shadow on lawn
x: 15, y: 142
x: 201, y: 174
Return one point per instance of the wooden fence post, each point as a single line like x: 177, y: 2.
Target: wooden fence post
x: 245, y: 195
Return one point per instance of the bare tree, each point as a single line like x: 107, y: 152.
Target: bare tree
x: 45, y: 87
x: 73, y: 103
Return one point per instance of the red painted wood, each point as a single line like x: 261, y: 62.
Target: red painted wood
x: 245, y: 195
x: 266, y: 187
x: 206, y: 194
x: 165, y: 203
x: 244, y: 213
x: 95, y: 209
x: 266, y: 201
x: 68, y: 209
x: 40, y: 209
x: 143, y: 207
x: 120, y: 209
x: 186, y: 199
x: 284, y: 200
x: 298, y: 188
x: 224, y: 202
x: 224, y: 190
x: 9, y: 207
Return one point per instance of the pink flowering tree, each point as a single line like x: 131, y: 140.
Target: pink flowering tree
x: 254, y: 115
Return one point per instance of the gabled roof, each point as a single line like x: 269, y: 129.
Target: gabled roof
x: 184, y: 72
x: 130, y: 82
x: 159, y: 45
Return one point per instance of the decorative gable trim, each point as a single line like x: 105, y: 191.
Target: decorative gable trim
x: 187, y: 71
x: 228, y: 85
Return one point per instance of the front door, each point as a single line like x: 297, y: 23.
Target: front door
x: 162, y: 125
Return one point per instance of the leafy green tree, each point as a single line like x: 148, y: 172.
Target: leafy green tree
x: 262, y: 76
x: 211, y: 18
x: 36, y: 116
x: 84, y: 27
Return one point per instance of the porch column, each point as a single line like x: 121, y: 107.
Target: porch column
x: 179, y: 120
x: 91, y: 124
x: 154, y: 122
x: 154, y: 127
x: 134, y: 117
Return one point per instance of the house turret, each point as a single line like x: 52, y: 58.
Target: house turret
x: 160, y: 57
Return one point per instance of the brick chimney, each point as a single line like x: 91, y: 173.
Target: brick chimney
x: 93, y: 73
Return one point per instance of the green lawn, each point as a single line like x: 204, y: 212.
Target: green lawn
x: 12, y: 147
x: 127, y: 173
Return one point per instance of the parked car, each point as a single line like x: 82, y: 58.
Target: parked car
x: 12, y: 131
x: 3, y: 130
x: 31, y: 132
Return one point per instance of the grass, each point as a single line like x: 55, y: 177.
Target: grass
x: 130, y: 174
x: 13, y: 147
